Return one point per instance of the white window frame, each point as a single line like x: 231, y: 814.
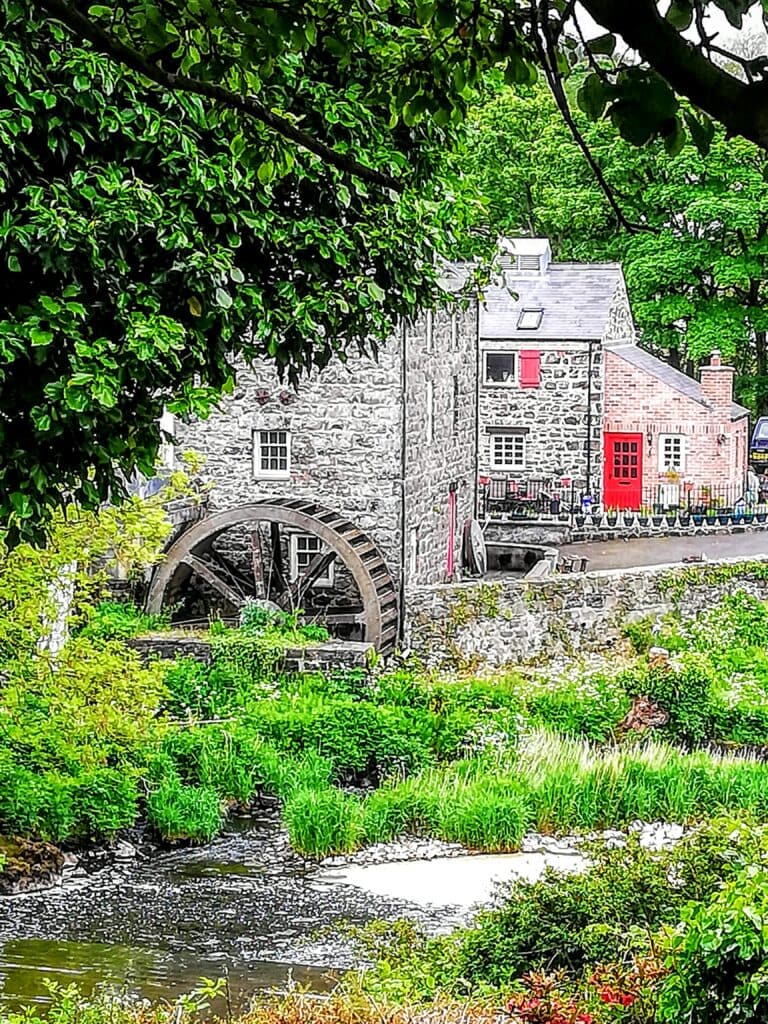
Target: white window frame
x: 258, y: 447
x: 676, y: 465
x: 515, y: 376
x: 454, y: 332
x: 510, y: 444
x: 430, y: 411
x: 308, y: 541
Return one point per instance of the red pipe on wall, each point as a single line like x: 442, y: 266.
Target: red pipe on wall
x: 449, y: 561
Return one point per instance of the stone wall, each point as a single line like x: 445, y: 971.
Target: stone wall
x: 517, y: 621
x: 345, y: 427
x: 553, y: 416
x: 334, y: 654
x: 441, y: 456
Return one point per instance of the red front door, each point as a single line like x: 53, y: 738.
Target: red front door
x: 623, y: 474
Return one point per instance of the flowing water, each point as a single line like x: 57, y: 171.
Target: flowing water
x: 245, y: 906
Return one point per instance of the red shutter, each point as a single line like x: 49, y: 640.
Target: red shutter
x: 530, y: 368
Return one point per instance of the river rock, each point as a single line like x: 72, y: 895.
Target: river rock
x: 27, y: 866
x: 124, y: 851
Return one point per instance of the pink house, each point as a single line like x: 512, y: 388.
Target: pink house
x: 669, y: 439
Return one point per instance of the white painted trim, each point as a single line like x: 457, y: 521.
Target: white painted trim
x: 512, y: 382
x: 270, y: 474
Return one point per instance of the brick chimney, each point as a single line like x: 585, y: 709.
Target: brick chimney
x: 717, y: 383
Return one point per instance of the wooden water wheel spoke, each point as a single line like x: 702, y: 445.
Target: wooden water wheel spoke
x: 276, y: 548
x: 295, y: 593
x: 231, y: 574
x: 221, y: 586
x: 374, y: 612
x: 346, y: 618
x: 257, y: 563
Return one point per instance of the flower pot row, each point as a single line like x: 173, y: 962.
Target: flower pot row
x: 681, y: 519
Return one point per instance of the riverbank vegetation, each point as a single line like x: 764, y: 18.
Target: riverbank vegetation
x: 94, y: 740
x: 671, y: 725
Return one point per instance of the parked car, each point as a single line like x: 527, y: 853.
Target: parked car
x: 758, y: 448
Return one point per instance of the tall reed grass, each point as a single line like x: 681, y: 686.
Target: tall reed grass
x: 551, y: 783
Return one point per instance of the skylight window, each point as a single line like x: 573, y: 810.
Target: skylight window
x: 530, y: 319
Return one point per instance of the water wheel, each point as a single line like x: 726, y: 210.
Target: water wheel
x: 372, y: 611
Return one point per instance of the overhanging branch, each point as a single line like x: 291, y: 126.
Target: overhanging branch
x: 741, y: 107
x: 116, y: 50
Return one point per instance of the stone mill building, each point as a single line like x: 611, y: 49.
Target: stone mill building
x: 378, y: 458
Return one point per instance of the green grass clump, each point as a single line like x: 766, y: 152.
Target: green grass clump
x: 323, y: 821
x: 120, y: 620
x: 181, y: 812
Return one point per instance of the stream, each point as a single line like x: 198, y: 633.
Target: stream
x: 245, y: 906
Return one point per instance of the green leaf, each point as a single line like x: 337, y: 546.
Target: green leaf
x: 266, y: 172
x: 592, y: 97
x: 194, y: 306
x: 40, y: 337
x: 680, y: 14
x: 377, y: 294
x: 702, y: 131
x: 675, y: 139
x: 223, y: 299
x: 603, y: 44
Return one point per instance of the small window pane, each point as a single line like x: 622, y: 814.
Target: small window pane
x: 500, y: 367
x: 272, y: 453
x: 507, y: 451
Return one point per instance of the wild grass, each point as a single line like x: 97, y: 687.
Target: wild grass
x: 553, y: 784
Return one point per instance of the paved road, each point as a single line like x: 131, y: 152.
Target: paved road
x: 626, y: 554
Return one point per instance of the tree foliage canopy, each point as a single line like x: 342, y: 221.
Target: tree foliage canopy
x: 696, y: 268
x: 183, y: 185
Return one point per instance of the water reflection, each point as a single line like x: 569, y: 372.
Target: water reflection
x: 28, y: 966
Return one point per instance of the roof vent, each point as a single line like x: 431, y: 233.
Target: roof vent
x: 525, y: 255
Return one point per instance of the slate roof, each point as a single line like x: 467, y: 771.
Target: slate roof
x: 576, y: 299
x: 668, y: 375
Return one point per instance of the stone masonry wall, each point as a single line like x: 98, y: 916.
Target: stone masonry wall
x: 554, y: 414
x: 517, y: 621
x: 345, y: 427
x: 636, y: 402
x: 441, y: 361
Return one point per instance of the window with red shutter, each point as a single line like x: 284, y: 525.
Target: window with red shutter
x: 530, y: 368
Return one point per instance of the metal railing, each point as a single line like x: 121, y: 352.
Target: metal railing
x: 542, y: 497
x: 565, y: 499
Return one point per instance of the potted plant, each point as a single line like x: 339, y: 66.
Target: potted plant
x: 644, y: 516
x: 629, y: 517
x: 611, y: 516
x: 671, y: 517
x: 684, y: 517
x: 761, y: 516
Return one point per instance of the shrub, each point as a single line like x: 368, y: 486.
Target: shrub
x: 361, y: 740
x: 718, y: 960
x: 178, y: 811
x: 321, y: 822
x: 118, y: 620
x: 684, y: 688
x: 569, y: 921
x: 103, y: 801
x: 591, y: 706
x: 222, y: 758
